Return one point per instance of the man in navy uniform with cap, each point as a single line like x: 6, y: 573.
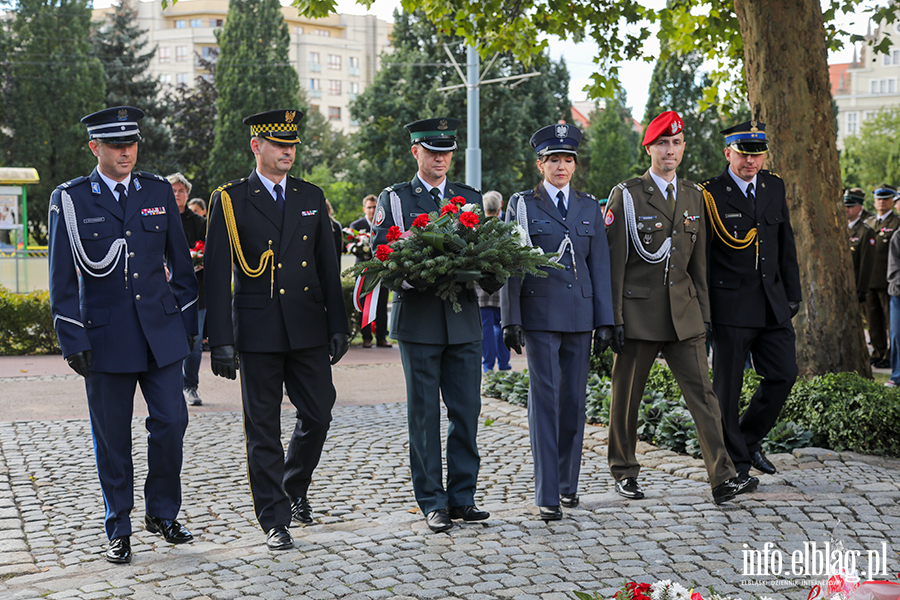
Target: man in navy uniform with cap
x: 754, y: 292
x: 440, y: 349
x: 271, y: 232
x: 121, y: 322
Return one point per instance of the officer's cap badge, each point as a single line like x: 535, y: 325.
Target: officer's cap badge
x: 442, y: 125
x: 562, y: 131
x: 289, y: 116
x: 122, y: 115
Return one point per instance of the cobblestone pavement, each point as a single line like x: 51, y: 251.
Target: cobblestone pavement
x: 370, y: 541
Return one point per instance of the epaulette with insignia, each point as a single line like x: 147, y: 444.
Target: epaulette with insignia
x: 152, y: 176
x: 705, y: 184
x: 630, y: 182
x: 467, y: 186
x: 586, y: 195
x: 397, y: 186
x: 772, y: 173
x: 225, y: 186
x: 72, y: 183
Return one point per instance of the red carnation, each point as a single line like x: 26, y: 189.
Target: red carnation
x: 459, y: 200
x: 469, y: 219
x: 393, y: 233
x: 199, y: 246
x: 383, y: 252
x: 450, y: 208
x: 421, y: 221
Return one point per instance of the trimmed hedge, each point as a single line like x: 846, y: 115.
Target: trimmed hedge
x: 26, y: 324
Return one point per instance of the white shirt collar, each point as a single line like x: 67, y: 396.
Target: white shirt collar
x: 663, y: 184
x: 112, y: 183
x: 552, y: 191
x: 743, y: 184
x: 441, y: 186
x: 270, y: 185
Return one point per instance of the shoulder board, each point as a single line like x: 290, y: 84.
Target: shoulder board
x: 151, y: 176
x: 466, y: 186
x: 298, y: 179
x: 396, y: 186
x: 629, y: 183
x: 585, y: 195
x: 711, y: 180
x: 72, y: 183
x: 772, y: 173
x: 691, y: 184
x: 225, y: 186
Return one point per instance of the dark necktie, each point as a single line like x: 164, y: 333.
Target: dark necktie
x: 752, y: 197
x: 279, y: 197
x: 436, y: 194
x: 561, y: 204
x: 670, y: 197
x: 123, y: 195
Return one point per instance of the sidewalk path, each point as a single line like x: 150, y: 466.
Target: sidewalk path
x: 370, y: 541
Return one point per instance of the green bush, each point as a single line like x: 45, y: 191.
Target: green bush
x: 602, y: 365
x: 599, y: 397
x: 26, y: 324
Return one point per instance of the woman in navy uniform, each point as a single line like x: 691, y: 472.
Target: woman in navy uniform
x: 554, y: 316
x: 122, y: 322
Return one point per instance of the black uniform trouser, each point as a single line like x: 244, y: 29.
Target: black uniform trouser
x: 878, y: 315
x: 275, y: 479
x: 775, y: 359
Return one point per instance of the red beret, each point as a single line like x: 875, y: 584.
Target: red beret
x: 668, y: 123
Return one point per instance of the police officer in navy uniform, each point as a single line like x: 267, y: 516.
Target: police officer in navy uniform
x: 555, y: 315
x: 754, y: 291
x: 121, y: 323
x: 440, y: 349
x: 272, y: 233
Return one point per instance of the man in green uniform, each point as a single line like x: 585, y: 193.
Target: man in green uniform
x: 884, y: 223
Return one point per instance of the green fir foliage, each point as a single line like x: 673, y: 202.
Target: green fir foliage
x: 253, y: 75
x: 50, y: 82
x: 116, y: 43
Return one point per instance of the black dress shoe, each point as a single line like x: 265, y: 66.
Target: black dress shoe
x: 279, y: 538
x: 746, y: 484
x: 726, y: 491
x: 761, y: 463
x: 468, y: 513
x: 301, y: 512
x: 119, y: 550
x: 384, y: 344
x: 630, y: 488
x: 882, y: 363
x: 173, y: 531
x: 550, y: 513
x: 569, y: 500
x: 438, y: 520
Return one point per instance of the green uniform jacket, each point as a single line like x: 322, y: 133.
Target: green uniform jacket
x: 418, y: 315
x: 878, y: 260
x: 862, y: 245
x: 652, y: 304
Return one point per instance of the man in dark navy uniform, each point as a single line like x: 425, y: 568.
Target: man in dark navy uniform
x: 121, y: 322
x: 440, y: 349
x: 381, y: 327
x: 754, y: 291
x: 272, y: 233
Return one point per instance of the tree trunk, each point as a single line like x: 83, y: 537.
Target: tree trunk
x: 787, y: 77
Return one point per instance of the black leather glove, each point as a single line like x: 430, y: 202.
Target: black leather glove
x: 514, y: 337
x: 338, y: 346
x: 192, y: 339
x: 795, y: 308
x: 618, y: 339
x: 490, y: 284
x: 710, y: 332
x: 224, y: 361
x: 602, y: 339
x: 80, y: 363
x: 861, y: 296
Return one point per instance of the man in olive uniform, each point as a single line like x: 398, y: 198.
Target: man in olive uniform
x: 862, y: 240
x: 271, y: 232
x: 754, y: 291
x: 657, y: 247
x: 884, y: 223
x: 440, y: 349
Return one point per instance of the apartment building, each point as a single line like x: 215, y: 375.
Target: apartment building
x: 867, y: 84
x: 335, y: 57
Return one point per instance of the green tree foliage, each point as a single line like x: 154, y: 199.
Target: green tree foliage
x: 405, y: 90
x: 51, y: 81
x: 873, y: 155
x: 611, y: 150
x: 191, y: 121
x: 116, y: 42
x: 253, y: 74
x: 677, y: 84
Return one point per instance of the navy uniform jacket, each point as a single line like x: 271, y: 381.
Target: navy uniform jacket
x: 418, y: 315
x: 118, y: 323
x: 573, y: 300
x: 305, y: 305
x: 739, y: 289
x: 361, y: 225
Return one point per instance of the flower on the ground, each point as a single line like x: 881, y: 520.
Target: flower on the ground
x: 383, y: 252
x: 469, y: 219
x: 421, y: 221
x: 393, y: 233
